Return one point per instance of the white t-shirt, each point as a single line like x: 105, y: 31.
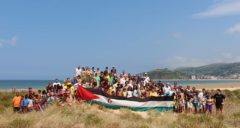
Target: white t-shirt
x: 30, y: 103
x: 167, y: 90
x: 75, y: 86
x: 78, y: 72
x: 122, y: 81
x: 201, y: 96
x: 129, y: 94
x: 115, y: 87
x: 146, y: 80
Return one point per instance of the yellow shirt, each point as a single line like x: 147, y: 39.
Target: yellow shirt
x: 110, y: 90
x: 154, y: 94
x: 107, y: 77
x: 64, y: 87
x: 72, y: 90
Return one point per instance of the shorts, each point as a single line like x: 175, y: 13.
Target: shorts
x: 16, y: 109
x: 190, y: 106
x: 195, y: 105
x: 219, y: 106
x: 209, y: 107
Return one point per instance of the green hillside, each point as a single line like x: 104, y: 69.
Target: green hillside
x: 220, y: 69
x: 167, y: 74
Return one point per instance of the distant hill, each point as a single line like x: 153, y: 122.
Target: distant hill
x: 222, y: 70
x: 166, y: 74
x: 219, y: 69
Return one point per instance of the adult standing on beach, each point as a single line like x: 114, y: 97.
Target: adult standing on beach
x: 146, y: 79
x: 114, y: 70
x: 16, y: 101
x: 219, y: 98
x: 78, y: 71
x: 56, y: 85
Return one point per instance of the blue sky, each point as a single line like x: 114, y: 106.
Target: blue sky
x: 48, y: 39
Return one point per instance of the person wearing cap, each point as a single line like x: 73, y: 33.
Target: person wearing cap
x: 219, y: 98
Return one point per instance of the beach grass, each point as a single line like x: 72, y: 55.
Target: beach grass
x: 6, y: 98
x: 84, y: 115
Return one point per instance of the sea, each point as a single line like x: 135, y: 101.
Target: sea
x: 41, y: 84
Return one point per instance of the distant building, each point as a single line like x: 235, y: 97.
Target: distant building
x: 193, y: 77
x: 213, y: 78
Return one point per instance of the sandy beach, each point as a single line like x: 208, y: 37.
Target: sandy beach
x: 228, y: 86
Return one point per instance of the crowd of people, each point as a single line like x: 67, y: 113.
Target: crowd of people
x: 186, y: 99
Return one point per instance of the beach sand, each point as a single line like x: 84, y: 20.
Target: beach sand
x: 226, y: 86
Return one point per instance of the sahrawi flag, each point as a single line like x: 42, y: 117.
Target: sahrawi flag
x: 95, y: 96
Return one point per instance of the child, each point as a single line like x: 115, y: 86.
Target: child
x: 44, y: 99
x: 174, y: 102
x: 25, y: 104
x: 196, y: 103
x: 129, y: 92
x: 37, y: 104
x: 124, y: 93
x: 67, y: 97
x: 179, y: 102
x: 147, y: 92
x: 21, y: 104
x: 135, y: 91
x: 142, y: 92
x: 189, y: 103
x: 153, y: 93
x: 110, y: 90
x: 119, y: 92
x: 209, y: 103
x: 16, y: 101
x: 30, y: 104
x: 51, y: 96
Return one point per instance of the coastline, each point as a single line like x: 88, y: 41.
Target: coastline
x: 222, y: 86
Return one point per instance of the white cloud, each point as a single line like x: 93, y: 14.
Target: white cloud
x: 8, y: 42
x: 234, y: 29
x: 223, y: 8
x: 180, y: 61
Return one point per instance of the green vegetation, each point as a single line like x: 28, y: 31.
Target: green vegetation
x: 6, y: 98
x: 84, y: 115
x: 220, y: 69
x: 166, y: 74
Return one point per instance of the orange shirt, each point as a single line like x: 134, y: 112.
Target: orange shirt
x: 16, y: 101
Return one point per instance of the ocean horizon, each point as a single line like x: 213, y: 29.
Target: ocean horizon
x: 41, y: 84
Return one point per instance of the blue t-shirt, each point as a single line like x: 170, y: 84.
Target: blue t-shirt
x: 22, y: 102
x: 25, y: 102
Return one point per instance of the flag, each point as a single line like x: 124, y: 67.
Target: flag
x: 96, y: 96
